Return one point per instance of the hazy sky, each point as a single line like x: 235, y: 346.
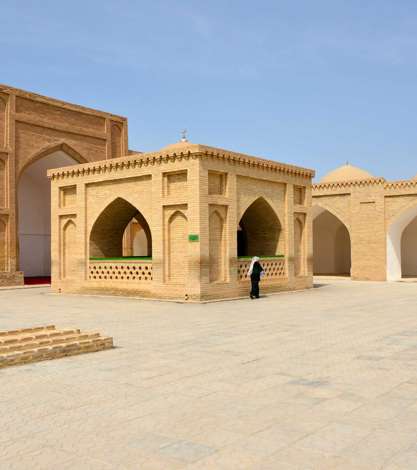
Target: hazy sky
x: 314, y: 82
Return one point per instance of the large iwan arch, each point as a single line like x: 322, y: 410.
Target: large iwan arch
x: 331, y: 244
x: 34, y: 208
x: 402, y: 246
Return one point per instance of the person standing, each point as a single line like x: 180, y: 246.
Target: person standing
x: 255, y: 272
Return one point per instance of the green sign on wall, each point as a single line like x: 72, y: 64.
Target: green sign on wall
x: 193, y: 237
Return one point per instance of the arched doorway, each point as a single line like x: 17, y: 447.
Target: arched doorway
x: 34, y: 214
x: 108, y: 235
x: 331, y: 245
x: 402, y: 246
x: 259, y: 231
x: 135, y: 240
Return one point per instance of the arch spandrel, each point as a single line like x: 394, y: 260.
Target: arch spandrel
x: 106, y: 233
x: 260, y: 230
x: 250, y: 201
x: 101, y: 205
x: 248, y: 189
x: 49, y: 150
x: 137, y: 192
x: 395, y: 208
x: 341, y: 213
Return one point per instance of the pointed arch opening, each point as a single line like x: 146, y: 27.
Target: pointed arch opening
x: 331, y: 245
x: 259, y: 231
x: 108, y: 235
x: 402, y: 246
x: 34, y: 209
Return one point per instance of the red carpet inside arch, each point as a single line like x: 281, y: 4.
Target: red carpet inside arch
x: 30, y: 281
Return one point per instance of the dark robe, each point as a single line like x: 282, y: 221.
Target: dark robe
x: 255, y: 277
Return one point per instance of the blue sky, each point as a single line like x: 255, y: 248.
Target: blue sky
x: 314, y: 83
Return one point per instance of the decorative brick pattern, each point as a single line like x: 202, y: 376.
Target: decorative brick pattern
x: 127, y: 271
x: 273, y: 268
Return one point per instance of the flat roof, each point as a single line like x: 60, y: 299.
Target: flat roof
x: 175, y: 152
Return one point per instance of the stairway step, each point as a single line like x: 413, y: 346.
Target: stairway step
x: 27, y: 330
x: 21, y: 338
x: 41, y: 342
x: 55, y: 351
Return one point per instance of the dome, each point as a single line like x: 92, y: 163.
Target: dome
x: 180, y: 146
x: 346, y: 173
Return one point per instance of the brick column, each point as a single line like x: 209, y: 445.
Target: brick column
x: 289, y: 231
x: 197, y: 225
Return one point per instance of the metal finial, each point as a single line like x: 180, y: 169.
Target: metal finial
x: 184, y: 135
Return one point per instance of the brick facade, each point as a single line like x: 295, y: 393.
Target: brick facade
x: 192, y: 198
x: 370, y: 209
x: 33, y: 127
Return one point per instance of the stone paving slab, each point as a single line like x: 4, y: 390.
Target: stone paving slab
x: 320, y: 379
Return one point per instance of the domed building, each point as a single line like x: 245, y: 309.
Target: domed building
x: 346, y: 172
x: 181, y: 221
x: 364, y: 226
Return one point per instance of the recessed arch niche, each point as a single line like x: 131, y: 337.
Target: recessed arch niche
x: 177, y: 245
x: 217, y: 255
x: 68, y: 249
x: 332, y: 245
x: 3, y: 245
x: 299, y: 245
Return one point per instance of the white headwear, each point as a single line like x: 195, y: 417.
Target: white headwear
x: 254, y: 260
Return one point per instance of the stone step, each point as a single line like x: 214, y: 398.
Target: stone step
x: 27, y: 330
x: 43, y: 343
x: 38, y: 342
x: 37, y: 335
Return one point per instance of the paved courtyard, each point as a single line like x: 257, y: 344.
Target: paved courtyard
x: 321, y: 379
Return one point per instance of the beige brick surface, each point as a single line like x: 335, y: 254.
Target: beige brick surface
x: 33, y: 127
x: 184, y: 190
x: 367, y: 208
